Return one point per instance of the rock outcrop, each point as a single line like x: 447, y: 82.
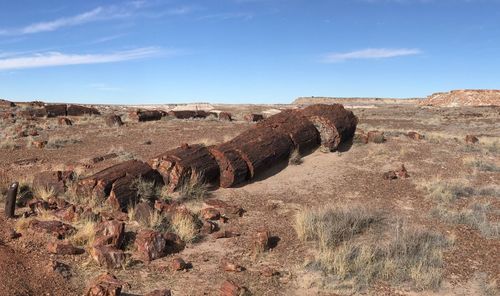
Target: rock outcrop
x: 467, y: 97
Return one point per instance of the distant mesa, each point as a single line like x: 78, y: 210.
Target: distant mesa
x: 466, y: 97
x: 354, y: 101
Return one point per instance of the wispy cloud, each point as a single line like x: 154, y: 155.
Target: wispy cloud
x: 371, y: 53
x: 102, y: 13
x: 52, y: 59
x: 228, y: 16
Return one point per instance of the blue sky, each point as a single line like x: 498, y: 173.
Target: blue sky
x: 244, y: 51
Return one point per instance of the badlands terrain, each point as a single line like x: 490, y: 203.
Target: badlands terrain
x: 410, y: 205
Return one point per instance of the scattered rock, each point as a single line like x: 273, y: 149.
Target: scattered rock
x: 59, y: 267
x: 225, y: 116
x: 252, y: 117
x: 105, y: 285
x: 208, y: 227
x: 38, y: 144
x: 226, y: 210
x: 110, y: 233
x: 210, y: 214
x: 229, y: 288
x: 471, y: 139
x: 261, y: 240
x: 67, y: 214
x: 104, y: 157
x: 64, y: 121
x: 226, y: 234
x: 53, y: 180
x: 113, y: 120
x: 375, y: 137
x: 268, y: 272
x: 143, y: 212
x: 174, y: 243
x: 150, y: 245
x: 56, y: 228
x: 231, y: 267
x: 178, y: 264
x: 108, y: 256
x: 400, y: 173
x: 63, y: 248
x: 145, y: 115
x: 415, y: 136
x: 164, y: 292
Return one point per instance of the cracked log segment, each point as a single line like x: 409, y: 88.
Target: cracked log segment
x: 233, y: 169
x: 146, y: 115
x: 56, y: 181
x: 187, y: 114
x: 298, y: 127
x: 117, y: 183
x: 334, y: 123
x: 77, y: 110
x: 56, y: 110
x: 261, y: 148
x: 188, y: 163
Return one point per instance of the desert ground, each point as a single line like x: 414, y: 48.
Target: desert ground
x: 346, y: 222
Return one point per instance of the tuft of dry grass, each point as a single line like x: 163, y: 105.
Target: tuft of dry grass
x: 4, y: 185
x: 331, y: 225
x: 8, y: 144
x: 447, y: 191
x: 481, y: 165
x: 146, y: 190
x: 85, y: 234
x: 475, y: 216
x: 185, y: 226
x: 44, y: 193
x: 404, y: 254
x: 193, y: 190
x: 60, y: 142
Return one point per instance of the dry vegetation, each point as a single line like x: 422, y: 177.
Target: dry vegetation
x: 402, y: 254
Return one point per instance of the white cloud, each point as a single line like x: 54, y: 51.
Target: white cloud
x: 52, y: 59
x: 101, y: 13
x: 371, y: 53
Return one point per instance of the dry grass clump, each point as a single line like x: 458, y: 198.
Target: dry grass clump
x: 193, y: 190
x: 475, y: 216
x: 185, y: 226
x: 404, y: 255
x: 447, y: 191
x: 330, y: 226
x: 8, y: 144
x: 122, y: 154
x: 295, y: 158
x: 44, y: 193
x: 85, y: 234
x: 59, y: 142
x: 146, y: 190
x: 481, y: 165
x: 4, y: 185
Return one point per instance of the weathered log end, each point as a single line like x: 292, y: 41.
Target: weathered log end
x: 335, y: 124
x: 233, y: 169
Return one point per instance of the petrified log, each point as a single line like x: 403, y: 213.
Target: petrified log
x: 10, y: 203
x: 301, y: 130
x: 334, y: 123
x: 233, y: 169
x: 101, y: 183
x: 262, y: 148
x: 188, y: 163
x: 253, y: 117
x: 225, y: 116
x: 56, y: 181
x: 145, y: 115
x: 56, y: 110
x: 187, y: 114
x: 113, y: 120
x: 6, y: 104
x: 77, y: 110
x: 64, y: 121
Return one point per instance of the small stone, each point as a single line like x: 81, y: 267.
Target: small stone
x: 63, y: 248
x: 229, y: 288
x: 178, y: 264
x: 105, y: 285
x: 164, y: 292
x: 231, y: 267
x: 210, y: 214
